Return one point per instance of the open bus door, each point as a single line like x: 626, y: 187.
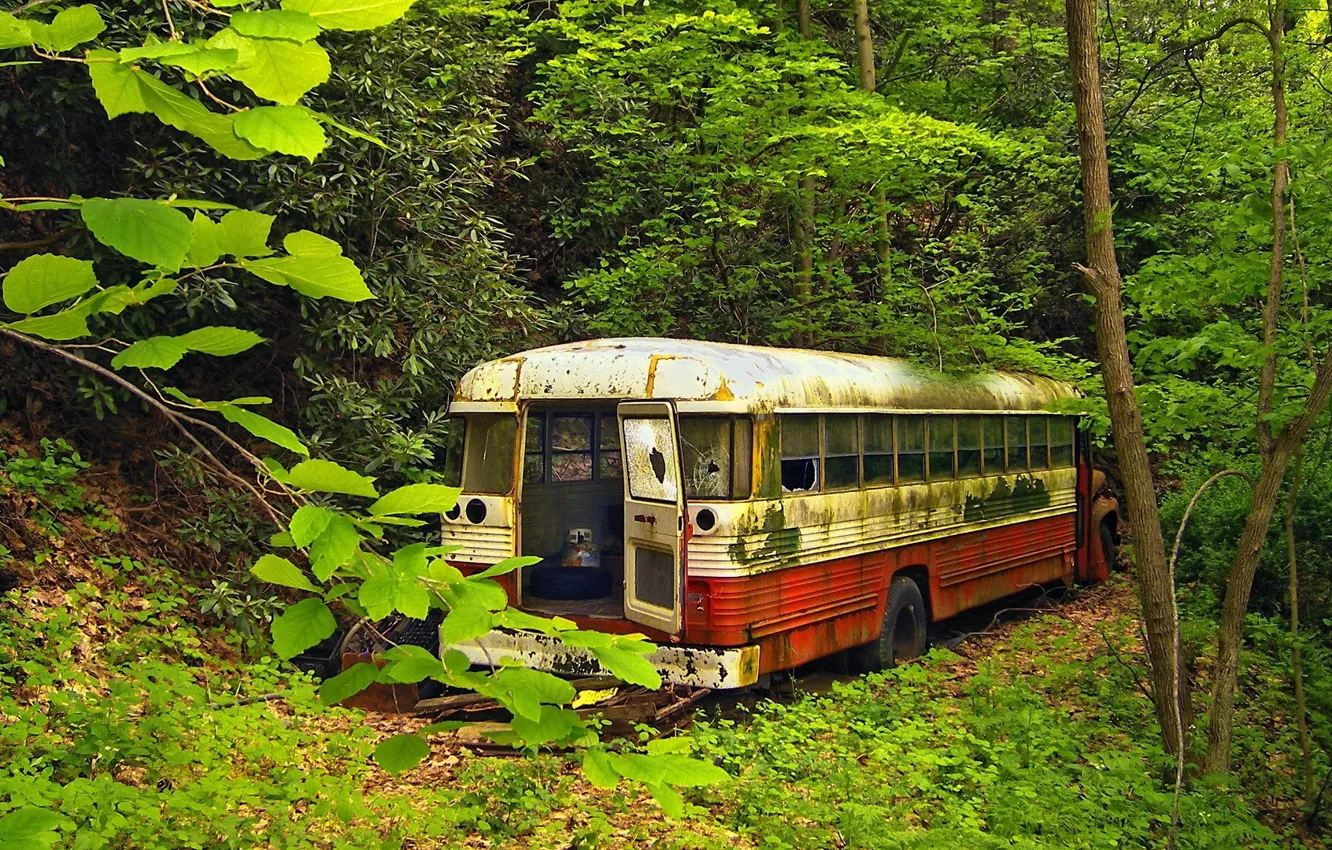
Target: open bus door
x: 653, y: 515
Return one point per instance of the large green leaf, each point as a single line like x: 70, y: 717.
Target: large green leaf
x: 335, y: 546
x: 465, y: 623
x: 277, y: 570
x: 275, y: 69
x: 148, y: 231
x: 554, y: 724
x: 117, y: 86
x: 398, y: 586
x: 600, y: 770
x: 156, y: 352
x: 68, y: 29
x: 314, y: 276
x: 264, y: 428
x: 308, y: 523
x: 45, y: 279
x: 29, y: 827
x: 284, y: 129
x: 220, y: 341
x: 275, y: 23
x: 348, y: 683
x: 244, y: 234
x: 13, y: 32
x: 65, y: 325
x: 325, y: 476
x: 351, y: 14
x: 309, y: 243
x: 202, y: 62
x: 183, y: 112
x: 409, y: 663
x: 417, y: 499
x: 204, y: 250
x: 302, y: 626
x: 401, y: 752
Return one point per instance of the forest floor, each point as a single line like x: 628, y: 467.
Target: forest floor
x: 119, y: 712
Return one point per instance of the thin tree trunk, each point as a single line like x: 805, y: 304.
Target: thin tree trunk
x: 1102, y: 274
x: 865, y: 61
x: 1275, y: 451
x: 1296, y: 665
x: 804, y: 215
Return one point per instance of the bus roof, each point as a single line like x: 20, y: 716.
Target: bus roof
x: 714, y: 376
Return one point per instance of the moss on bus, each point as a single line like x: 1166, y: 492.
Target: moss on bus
x: 1027, y: 493
x: 766, y: 539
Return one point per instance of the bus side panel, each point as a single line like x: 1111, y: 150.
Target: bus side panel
x: 799, y: 614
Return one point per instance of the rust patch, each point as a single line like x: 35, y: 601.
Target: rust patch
x: 723, y: 392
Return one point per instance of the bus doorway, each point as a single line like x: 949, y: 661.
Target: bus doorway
x: 571, y: 505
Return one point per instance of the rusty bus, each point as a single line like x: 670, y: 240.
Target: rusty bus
x: 754, y: 509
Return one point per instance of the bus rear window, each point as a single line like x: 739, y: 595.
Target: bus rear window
x: 488, y: 453
x: 718, y: 456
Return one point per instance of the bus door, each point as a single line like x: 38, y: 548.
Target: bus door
x: 653, y: 515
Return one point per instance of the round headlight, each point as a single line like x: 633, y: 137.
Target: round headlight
x: 476, y: 511
x: 705, y: 520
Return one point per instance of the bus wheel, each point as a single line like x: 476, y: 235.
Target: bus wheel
x: 1108, y: 547
x: 903, y: 634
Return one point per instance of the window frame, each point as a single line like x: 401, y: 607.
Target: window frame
x: 859, y: 454
x: 731, y: 420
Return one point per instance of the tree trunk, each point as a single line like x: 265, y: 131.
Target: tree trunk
x: 804, y: 214
x: 1275, y: 451
x: 1156, y: 590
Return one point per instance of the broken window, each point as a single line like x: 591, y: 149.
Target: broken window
x: 992, y: 437
x: 1017, y: 443
x: 571, y: 447
x: 941, y: 448
x: 968, y: 446
x: 609, y: 464
x: 910, y: 449
x: 718, y: 456
x: 650, y: 459
x: 489, y: 453
x: 799, y: 434
x: 878, y: 449
x: 1063, y: 431
x: 841, y: 440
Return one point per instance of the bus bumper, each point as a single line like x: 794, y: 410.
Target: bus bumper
x: 718, y: 668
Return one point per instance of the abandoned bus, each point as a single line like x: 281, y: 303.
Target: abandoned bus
x: 754, y: 509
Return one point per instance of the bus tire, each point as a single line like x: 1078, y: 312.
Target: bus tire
x: 902, y: 637
x: 1108, y: 549
x: 570, y: 583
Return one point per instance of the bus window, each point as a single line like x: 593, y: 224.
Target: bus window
x: 878, y: 449
x: 705, y: 443
x: 453, y: 455
x: 799, y: 435
x: 1040, y: 442
x: 910, y: 449
x: 488, y: 456
x: 968, y: 446
x: 941, y: 448
x: 1017, y: 444
x: 841, y: 442
x: 609, y: 464
x: 534, y: 449
x: 649, y: 454
x: 718, y: 456
x: 1063, y: 430
x: 992, y: 436
x: 571, y: 447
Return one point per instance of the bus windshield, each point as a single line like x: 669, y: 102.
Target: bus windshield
x: 488, y: 452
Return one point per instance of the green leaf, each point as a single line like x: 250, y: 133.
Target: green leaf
x: 203, y: 250
x: 244, y: 234
x: 668, y: 798
x: 153, y: 48
x: 628, y: 667
x: 219, y: 341
x: 483, y: 592
x: 337, y: 545
x: 29, y: 826
x: 345, y: 129
x: 315, y: 276
x: 13, y: 32
x: 311, y: 244
x: 528, y: 690
x: 599, y: 770
x: 410, y: 664
x: 464, y: 623
x: 156, y: 352
x: 308, y: 523
x: 277, y: 570
x: 398, y: 586
x: 67, y: 324
x: 401, y: 752
x: 203, y: 62
x: 348, y: 683
x: 148, y: 231
x: 117, y: 86
x: 275, y: 69
x: 45, y: 279
x: 417, y: 499
x: 284, y: 129
x: 554, y: 724
x: 508, y: 565
x: 351, y: 14
x: 264, y: 428
x: 183, y: 112
x: 275, y: 23
x: 302, y: 626
x: 68, y: 29
x: 325, y: 476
